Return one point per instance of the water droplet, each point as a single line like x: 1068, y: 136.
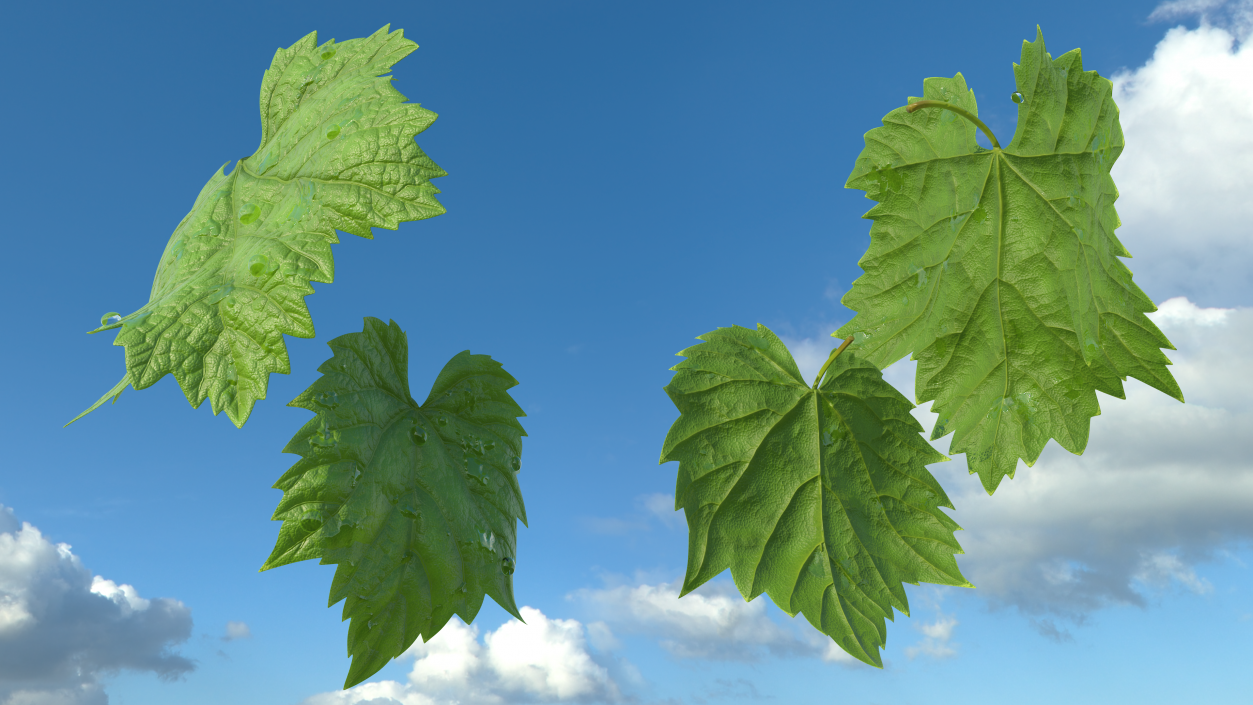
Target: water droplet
x: 110, y: 318
x: 248, y: 213
x: 289, y: 269
x: 329, y: 53
x: 506, y: 565
x: 330, y: 527
x: 330, y: 400
x: 516, y: 464
x: 332, y: 131
x: 1018, y: 98
x: 310, y: 521
x: 826, y: 439
x: 259, y: 264
x: 1092, y: 347
x: 418, y: 436
x: 442, y: 421
x: 758, y: 342
x: 490, y: 445
x: 888, y: 179
x: 978, y: 215
x: 407, y: 509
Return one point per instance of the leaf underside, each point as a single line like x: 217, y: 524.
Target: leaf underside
x: 999, y: 271
x: 819, y: 498
x: 415, y: 504
x: 337, y: 152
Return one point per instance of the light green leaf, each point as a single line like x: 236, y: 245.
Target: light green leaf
x: 415, y: 504
x: 998, y: 270
x: 819, y: 498
x: 337, y: 152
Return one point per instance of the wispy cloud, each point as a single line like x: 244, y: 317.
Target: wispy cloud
x: 1236, y: 17
x: 649, y: 508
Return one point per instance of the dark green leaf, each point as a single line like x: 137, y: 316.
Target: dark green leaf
x: 818, y: 498
x: 415, y: 504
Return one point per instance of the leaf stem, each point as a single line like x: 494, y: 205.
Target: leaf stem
x: 960, y: 111
x: 834, y: 354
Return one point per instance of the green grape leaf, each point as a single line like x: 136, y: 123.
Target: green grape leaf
x: 415, y: 504
x: 818, y: 497
x: 998, y: 270
x: 337, y: 152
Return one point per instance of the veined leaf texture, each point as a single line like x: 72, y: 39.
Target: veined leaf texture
x: 416, y: 504
x: 337, y: 152
x: 998, y: 270
x: 819, y: 498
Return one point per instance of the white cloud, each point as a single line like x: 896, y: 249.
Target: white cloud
x: 543, y: 660
x: 712, y: 622
x: 1162, y: 488
x: 236, y: 630
x: 936, y: 638
x: 61, y: 627
x: 1186, y: 173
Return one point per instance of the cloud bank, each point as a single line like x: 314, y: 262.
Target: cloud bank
x: 1185, y: 176
x: 61, y: 627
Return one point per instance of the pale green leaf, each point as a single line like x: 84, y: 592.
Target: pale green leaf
x: 337, y: 152
x: 999, y: 271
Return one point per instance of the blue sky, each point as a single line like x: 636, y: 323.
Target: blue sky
x: 622, y: 178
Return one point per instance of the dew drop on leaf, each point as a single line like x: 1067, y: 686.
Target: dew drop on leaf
x: 418, y: 436
x: 978, y: 215
x: 443, y: 421
x: 259, y: 264
x: 1018, y: 98
x: 310, y: 521
x: 329, y: 53
x: 330, y: 400
x: 516, y: 464
x: 506, y: 565
x: 248, y: 213
x: 110, y: 317
x: 332, y: 131
x: 330, y: 527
